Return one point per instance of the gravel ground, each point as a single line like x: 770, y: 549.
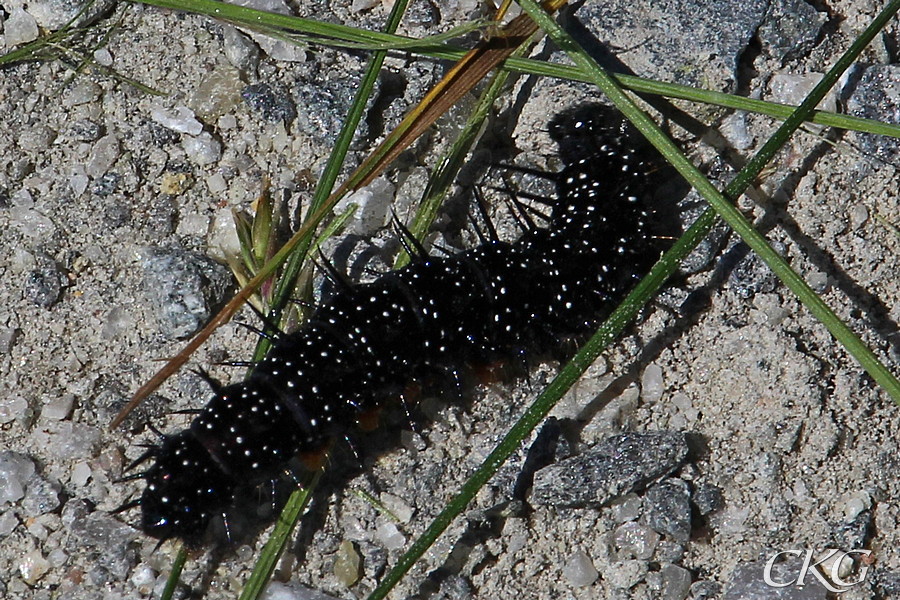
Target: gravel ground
x: 111, y: 200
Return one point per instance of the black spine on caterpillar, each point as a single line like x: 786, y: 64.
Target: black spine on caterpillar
x: 368, y: 342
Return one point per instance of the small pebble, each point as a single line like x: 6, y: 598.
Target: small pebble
x: 41, y: 497
x: 19, y: 28
x: 81, y: 473
x: 667, y: 509
x: 292, y: 591
x: 104, y: 154
x: 58, y: 409
x: 8, y: 522
x: 173, y: 184
x: 203, y: 149
x: 389, y: 536
x: 33, y: 566
x: 13, y: 408
x: 274, y: 105
x: 347, y: 564
x: 372, y: 207
x: 183, y: 288
x: 57, y: 558
x: 579, y: 570
x: 652, y: 386
x: 44, y: 285
x: 626, y: 574
x: 676, y: 582
x: 180, y: 119
x: 626, y: 508
x: 15, y: 470
x: 636, y: 540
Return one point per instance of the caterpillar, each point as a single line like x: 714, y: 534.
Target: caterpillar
x: 431, y: 319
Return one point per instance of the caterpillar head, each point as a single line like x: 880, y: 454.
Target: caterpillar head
x: 185, y: 489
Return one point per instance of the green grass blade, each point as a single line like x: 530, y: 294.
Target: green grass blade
x: 174, y: 575
x: 342, y: 33
x: 281, y: 533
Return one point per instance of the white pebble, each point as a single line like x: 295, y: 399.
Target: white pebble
x: 372, y: 204
x: 579, y: 570
x: 33, y: 566
x: 15, y: 470
x: 19, y: 28
x: 216, y: 183
x: 292, y: 591
x: 652, y: 383
x: 203, y: 149
x: 58, y: 408
x: 13, y: 408
x: 103, y: 155
x: 78, y: 179
x: 389, y: 536
x: 223, y: 240
x: 103, y: 57
x: 180, y: 119
x: 81, y: 473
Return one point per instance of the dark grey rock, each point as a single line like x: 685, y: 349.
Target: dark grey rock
x: 695, y: 42
x: 667, y: 509
x: 750, y: 275
x: 877, y: 96
x: 676, y: 582
x: 85, y: 130
x: 44, y: 284
x: 106, y: 184
x: 184, y: 288
x: 887, y: 583
x: 689, y: 209
x: 614, y: 467
x: 790, y: 29
x: 747, y: 583
x: 707, y: 498
x: 705, y: 590
x: 322, y: 108
x: 274, y: 105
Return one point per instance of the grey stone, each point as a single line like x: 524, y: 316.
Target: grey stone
x: 667, y: 509
x: 184, y: 287
x: 274, y: 105
x: 751, y: 276
x: 41, y: 496
x: 790, y: 29
x: 877, y: 96
x: 15, y: 470
x: 676, y: 582
x: 614, y: 467
x: 44, y: 284
x: 747, y: 583
x: 696, y: 42
x: 707, y: 498
x: 109, y: 540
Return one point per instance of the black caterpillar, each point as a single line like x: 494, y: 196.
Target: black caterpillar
x: 494, y: 302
